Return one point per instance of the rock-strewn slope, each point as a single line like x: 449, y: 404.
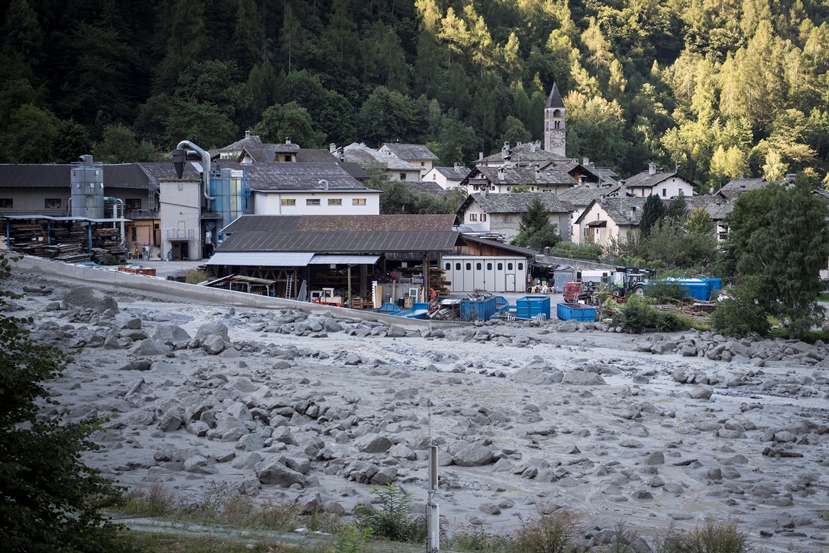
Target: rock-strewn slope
x: 650, y: 430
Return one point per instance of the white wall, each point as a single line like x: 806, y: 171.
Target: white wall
x: 667, y: 189
x: 494, y: 274
x: 433, y: 175
x: 271, y: 203
x: 180, y: 211
x: 600, y: 235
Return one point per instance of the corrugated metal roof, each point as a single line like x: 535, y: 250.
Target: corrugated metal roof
x: 340, y: 242
x: 122, y: 175
x: 261, y: 259
x: 344, y: 260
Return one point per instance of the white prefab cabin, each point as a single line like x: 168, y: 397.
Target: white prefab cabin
x: 491, y: 273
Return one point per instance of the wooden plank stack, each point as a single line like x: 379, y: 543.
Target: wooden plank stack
x: 66, y: 241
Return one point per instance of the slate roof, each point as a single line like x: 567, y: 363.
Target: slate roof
x: 582, y: 195
x: 647, y: 180
x: 516, y: 203
x: 453, y: 173
x: 530, y: 152
x: 619, y: 210
x: 253, y: 142
x: 554, y: 100
x: 123, y: 175
x: 526, y: 175
x: 335, y: 234
x: 737, y: 186
x: 365, y: 156
x: 411, y: 152
x: 306, y: 155
x: 426, y: 187
x: 715, y: 205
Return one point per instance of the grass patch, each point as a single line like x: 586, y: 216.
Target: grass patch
x: 823, y: 297
x: 195, y: 276
x: 811, y: 336
x: 150, y: 542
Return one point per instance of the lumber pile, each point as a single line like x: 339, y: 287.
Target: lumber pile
x: 66, y: 241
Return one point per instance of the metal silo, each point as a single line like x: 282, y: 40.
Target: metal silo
x: 87, y: 189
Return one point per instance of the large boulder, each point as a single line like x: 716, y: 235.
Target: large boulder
x: 212, y: 329
x: 473, y: 455
x: 271, y: 472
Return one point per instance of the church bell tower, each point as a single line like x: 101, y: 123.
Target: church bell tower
x: 554, y: 111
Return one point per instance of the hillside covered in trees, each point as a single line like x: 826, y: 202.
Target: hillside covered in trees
x: 718, y: 88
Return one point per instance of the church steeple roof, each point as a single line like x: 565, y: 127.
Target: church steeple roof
x: 554, y: 101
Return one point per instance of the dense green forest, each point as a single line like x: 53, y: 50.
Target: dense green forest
x: 718, y: 88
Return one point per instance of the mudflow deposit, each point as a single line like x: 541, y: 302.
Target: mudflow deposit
x: 653, y: 430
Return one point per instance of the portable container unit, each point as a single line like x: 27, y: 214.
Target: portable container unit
x: 575, y: 312
x: 530, y: 307
x: 491, y: 273
x: 478, y: 310
x: 561, y: 278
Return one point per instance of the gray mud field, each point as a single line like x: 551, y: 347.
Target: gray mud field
x: 653, y: 431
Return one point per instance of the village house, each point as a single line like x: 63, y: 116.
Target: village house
x: 501, y: 213
x: 654, y: 181
x: 447, y: 177
x: 416, y: 154
x: 607, y: 219
x: 502, y: 180
x: 394, y: 168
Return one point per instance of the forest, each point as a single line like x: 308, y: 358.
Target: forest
x: 714, y: 88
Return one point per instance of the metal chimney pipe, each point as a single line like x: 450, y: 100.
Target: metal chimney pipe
x: 205, y: 160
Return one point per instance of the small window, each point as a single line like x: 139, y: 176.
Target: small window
x: 520, y: 266
x: 478, y: 266
x: 457, y: 266
x: 358, y: 201
x: 314, y: 201
x: 500, y: 266
x: 181, y: 187
x: 52, y: 203
x: 286, y: 201
x: 133, y: 234
x: 402, y: 176
x: 468, y: 266
x: 483, y: 216
x: 509, y: 266
x: 7, y: 203
x: 473, y: 217
x: 664, y: 192
x: 132, y: 204
x: 489, y: 266
x: 448, y: 266
x: 335, y: 201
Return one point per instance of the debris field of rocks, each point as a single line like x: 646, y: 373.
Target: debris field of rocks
x: 654, y: 431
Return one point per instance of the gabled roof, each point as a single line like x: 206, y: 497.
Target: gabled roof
x: 308, y: 155
x: 624, y: 211
x: 715, y: 205
x: 646, y: 179
x: 426, y: 187
x: 268, y: 177
x: 528, y: 252
x: 737, y: 186
x: 121, y: 175
x: 515, y: 203
x: 581, y: 196
x: 365, y: 157
x: 410, y: 152
x: 453, y: 173
x: 530, y: 152
x: 336, y: 234
x: 253, y: 142
x: 515, y: 175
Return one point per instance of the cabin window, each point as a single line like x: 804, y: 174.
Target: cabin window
x: 509, y: 266
x: 448, y: 266
x: 457, y: 266
x: 335, y: 201
x: 469, y: 266
x: 489, y: 266
x: 358, y: 201
x: 314, y: 201
x: 520, y: 266
x: 478, y: 266
x: 500, y: 266
x: 286, y: 201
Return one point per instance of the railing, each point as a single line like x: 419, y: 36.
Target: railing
x: 181, y: 234
x: 141, y: 214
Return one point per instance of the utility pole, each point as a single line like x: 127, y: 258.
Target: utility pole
x: 432, y: 509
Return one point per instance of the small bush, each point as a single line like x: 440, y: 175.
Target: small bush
x: 665, y: 290
x: 637, y: 315
x: 392, y: 520
x: 549, y: 533
x: 740, y: 314
x: 713, y: 537
x: 577, y: 251
x: 195, y: 276
x: 352, y: 539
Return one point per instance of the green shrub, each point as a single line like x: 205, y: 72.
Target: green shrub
x: 549, y: 533
x: 577, y: 251
x: 392, y: 520
x: 637, y: 316
x: 195, y: 276
x: 352, y: 539
x: 666, y: 290
x: 713, y: 537
x: 741, y: 314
